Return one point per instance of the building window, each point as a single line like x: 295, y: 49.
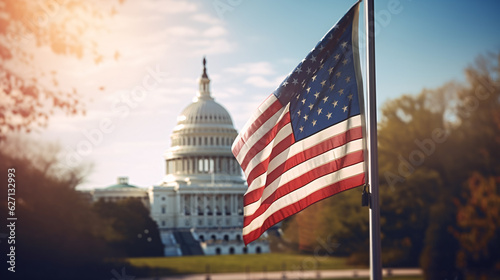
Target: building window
x: 163, y: 223
x: 163, y: 209
x: 202, y: 238
x: 226, y: 237
x: 258, y: 250
x: 217, y: 251
x: 238, y: 238
x: 214, y: 238
x: 163, y: 198
x: 231, y: 251
x: 245, y: 250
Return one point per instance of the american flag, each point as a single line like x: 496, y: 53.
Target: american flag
x: 305, y: 141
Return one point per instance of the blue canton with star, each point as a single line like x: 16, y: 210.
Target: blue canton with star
x: 322, y: 90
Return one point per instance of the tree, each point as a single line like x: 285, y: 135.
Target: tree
x: 64, y: 26
x: 57, y: 234
x: 430, y: 146
x: 478, y: 226
x: 138, y: 234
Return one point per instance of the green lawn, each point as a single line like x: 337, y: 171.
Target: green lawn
x: 239, y: 263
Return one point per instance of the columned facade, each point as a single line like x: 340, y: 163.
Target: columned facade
x: 200, y: 199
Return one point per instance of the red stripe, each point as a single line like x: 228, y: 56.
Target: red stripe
x: 262, y: 166
x: 306, y: 178
x: 323, y: 147
x: 261, y: 169
x: 298, y: 206
x: 257, y: 123
x: 328, y: 144
x: 265, y: 140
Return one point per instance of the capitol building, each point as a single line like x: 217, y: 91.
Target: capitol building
x: 198, y: 205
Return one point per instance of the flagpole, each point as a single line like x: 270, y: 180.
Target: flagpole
x: 375, y: 247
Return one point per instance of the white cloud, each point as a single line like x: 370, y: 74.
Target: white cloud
x: 168, y: 7
x: 211, y: 46
x: 262, y: 82
x: 182, y: 31
x: 215, y: 31
x: 252, y: 68
x: 206, y: 18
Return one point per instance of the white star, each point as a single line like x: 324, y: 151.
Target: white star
x: 285, y: 83
x: 308, y: 70
x: 313, y: 78
x: 323, y: 83
x: 308, y: 89
x: 321, y: 47
x: 316, y: 94
x: 348, y: 79
x: 344, y: 44
x: 321, y: 66
x: 345, y: 61
x: 310, y: 106
x: 331, y: 36
x: 295, y: 82
x: 313, y: 58
x: 319, y: 111
x: 337, y: 56
x: 298, y: 112
x: 335, y: 103
x: 341, y: 91
x: 301, y: 128
x: 332, y: 86
x: 314, y: 122
x: 303, y: 101
x: 344, y: 108
x: 305, y: 117
x: 325, y: 99
x: 329, y: 115
x: 330, y: 71
x: 350, y: 96
x: 298, y: 70
x: 338, y: 74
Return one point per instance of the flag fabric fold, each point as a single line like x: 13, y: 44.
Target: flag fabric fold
x: 306, y: 141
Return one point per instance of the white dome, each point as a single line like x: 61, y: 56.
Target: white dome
x: 204, y: 110
x: 201, y: 142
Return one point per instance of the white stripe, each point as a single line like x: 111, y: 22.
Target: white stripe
x: 259, y: 133
x: 263, y: 155
x: 295, y: 148
x: 303, y: 192
x: 314, y: 140
x: 302, y: 168
x: 262, y: 108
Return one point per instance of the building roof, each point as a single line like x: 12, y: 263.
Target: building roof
x: 122, y: 183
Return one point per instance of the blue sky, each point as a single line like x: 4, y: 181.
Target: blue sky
x: 250, y: 48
